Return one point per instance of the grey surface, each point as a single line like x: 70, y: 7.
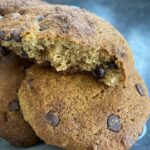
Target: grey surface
x: 132, y: 19
x: 4, y: 145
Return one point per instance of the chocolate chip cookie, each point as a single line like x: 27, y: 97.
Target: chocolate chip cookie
x: 13, y: 127
x: 75, y: 112
x: 70, y: 39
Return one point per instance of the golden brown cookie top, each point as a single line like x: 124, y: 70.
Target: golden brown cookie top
x: 12, y: 125
x: 69, y: 39
x: 77, y: 113
x: 8, y: 6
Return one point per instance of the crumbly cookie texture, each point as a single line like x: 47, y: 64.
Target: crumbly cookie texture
x: 13, y: 127
x: 75, y: 112
x: 70, y: 39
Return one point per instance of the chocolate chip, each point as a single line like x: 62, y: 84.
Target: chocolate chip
x: 99, y: 72
x: 40, y: 18
x: 112, y: 65
x: 4, y: 51
x: 113, y: 123
x: 52, y: 119
x: 14, y: 106
x: 140, y: 89
x: 24, y: 54
x: 2, y: 35
x: 15, y: 35
x: 30, y: 83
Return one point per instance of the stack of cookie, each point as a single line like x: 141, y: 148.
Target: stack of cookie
x: 68, y: 78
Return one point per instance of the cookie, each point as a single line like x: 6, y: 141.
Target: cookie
x: 75, y: 112
x: 13, y: 127
x: 71, y: 40
x: 11, y: 6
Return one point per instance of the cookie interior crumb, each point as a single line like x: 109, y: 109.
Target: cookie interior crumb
x: 71, y: 40
x: 64, y: 54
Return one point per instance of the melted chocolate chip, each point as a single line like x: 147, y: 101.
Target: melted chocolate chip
x: 99, y: 72
x: 140, y: 89
x: 4, y: 51
x: 52, y: 119
x: 16, y: 36
x: 2, y: 35
x: 113, y: 123
x: 14, y: 106
x: 112, y: 65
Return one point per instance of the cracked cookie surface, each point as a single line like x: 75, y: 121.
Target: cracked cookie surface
x: 77, y: 113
